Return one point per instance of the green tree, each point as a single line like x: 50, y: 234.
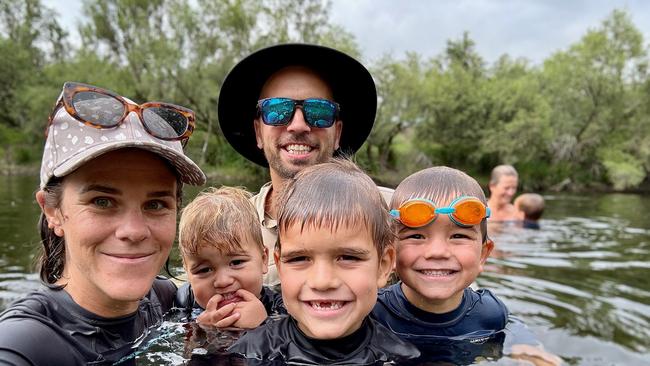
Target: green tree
x: 593, y: 88
x: 401, y: 101
x: 180, y: 50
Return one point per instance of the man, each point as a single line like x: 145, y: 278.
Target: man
x: 291, y: 106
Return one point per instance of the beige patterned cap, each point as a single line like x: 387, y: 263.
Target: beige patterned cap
x: 70, y: 144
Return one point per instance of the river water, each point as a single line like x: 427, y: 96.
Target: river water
x: 581, y: 283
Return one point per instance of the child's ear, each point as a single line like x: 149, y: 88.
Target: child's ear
x: 265, y: 260
x: 52, y: 214
x: 276, y: 258
x: 386, y: 265
x: 485, y: 252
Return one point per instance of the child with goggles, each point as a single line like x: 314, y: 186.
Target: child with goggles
x: 442, y: 247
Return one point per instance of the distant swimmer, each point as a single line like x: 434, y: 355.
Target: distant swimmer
x: 529, y: 207
x: 503, y: 186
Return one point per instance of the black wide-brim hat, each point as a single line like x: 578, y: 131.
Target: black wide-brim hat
x: 351, y: 84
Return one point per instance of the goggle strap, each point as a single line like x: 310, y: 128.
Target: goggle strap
x: 394, y: 213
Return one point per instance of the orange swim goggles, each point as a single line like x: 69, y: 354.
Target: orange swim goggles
x: 463, y: 211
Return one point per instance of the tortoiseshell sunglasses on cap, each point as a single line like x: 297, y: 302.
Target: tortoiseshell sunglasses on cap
x: 101, y: 108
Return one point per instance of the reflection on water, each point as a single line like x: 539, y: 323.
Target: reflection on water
x: 580, y: 283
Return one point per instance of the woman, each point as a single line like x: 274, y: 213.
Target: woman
x: 111, y: 181
x: 503, y: 186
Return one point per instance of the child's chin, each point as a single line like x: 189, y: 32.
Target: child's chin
x: 325, y: 332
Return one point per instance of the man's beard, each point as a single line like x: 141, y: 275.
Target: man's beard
x: 286, y: 171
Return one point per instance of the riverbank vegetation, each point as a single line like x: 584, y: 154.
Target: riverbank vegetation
x: 579, y: 120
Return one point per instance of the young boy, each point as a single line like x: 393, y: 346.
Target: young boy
x: 530, y: 207
x: 225, y: 260
x: 442, y: 246
x: 334, y: 250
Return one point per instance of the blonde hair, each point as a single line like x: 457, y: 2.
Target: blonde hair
x: 224, y: 218
x: 531, y: 204
x: 441, y: 185
x: 502, y: 170
x: 335, y: 194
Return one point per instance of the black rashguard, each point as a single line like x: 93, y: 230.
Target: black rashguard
x: 48, y: 328
x: 281, y: 340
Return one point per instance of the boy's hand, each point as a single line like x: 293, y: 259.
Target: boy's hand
x: 251, y: 309
x: 218, y: 317
x: 535, y: 355
x: 247, y: 313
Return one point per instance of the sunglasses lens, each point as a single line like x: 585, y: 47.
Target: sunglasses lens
x: 469, y: 212
x: 164, y: 122
x: 98, y: 109
x: 277, y: 111
x: 416, y: 214
x: 319, y: 112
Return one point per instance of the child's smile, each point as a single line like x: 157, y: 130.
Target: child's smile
x: 330, y: 279
x: 438, y: 261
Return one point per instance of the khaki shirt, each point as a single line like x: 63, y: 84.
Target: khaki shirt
x: 270, y: 227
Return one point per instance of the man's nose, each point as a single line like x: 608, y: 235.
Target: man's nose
x: 298, y: 124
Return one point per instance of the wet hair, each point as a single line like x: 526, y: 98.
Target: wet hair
x: 500, y: 171
x: 50, y: 260
x: 441, y: 185
x: 224, y: 218
x: 531, y: 204
x: 331, y: 195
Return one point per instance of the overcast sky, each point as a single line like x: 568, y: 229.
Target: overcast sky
x: 533, y: 29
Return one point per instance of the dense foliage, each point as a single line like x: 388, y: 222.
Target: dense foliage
x: 579, y: 120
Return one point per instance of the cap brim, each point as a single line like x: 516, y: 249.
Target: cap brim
x: 352, y: 85
x: 187, y: 170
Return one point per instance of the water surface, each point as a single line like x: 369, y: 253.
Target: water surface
x: 580, y: 283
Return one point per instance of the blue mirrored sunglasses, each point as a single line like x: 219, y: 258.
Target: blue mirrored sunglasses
x: 321, y: 113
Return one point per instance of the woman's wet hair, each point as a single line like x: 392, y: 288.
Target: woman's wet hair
x: 51, y: 258
x: 441, y: 185
x: 332, y: 195
x: 224, y: 218
x: 50, y: 261
x: 502, y: 170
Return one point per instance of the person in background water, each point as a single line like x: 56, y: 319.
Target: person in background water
x: 111, y: 184
x: 441, y: 217
x: 335, y: 250
x: 291, y: 106
x: 503, y: 186
x: 530, y: 207
x: 225, y: 261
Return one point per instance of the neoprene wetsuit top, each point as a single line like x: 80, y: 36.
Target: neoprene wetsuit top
x: 47, y: 327
x: 474, y: 329
x: 282, y: 340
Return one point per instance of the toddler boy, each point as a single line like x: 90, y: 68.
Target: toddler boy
x: 225, y: 260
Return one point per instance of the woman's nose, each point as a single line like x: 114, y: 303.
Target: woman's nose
x: 133, y: 226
